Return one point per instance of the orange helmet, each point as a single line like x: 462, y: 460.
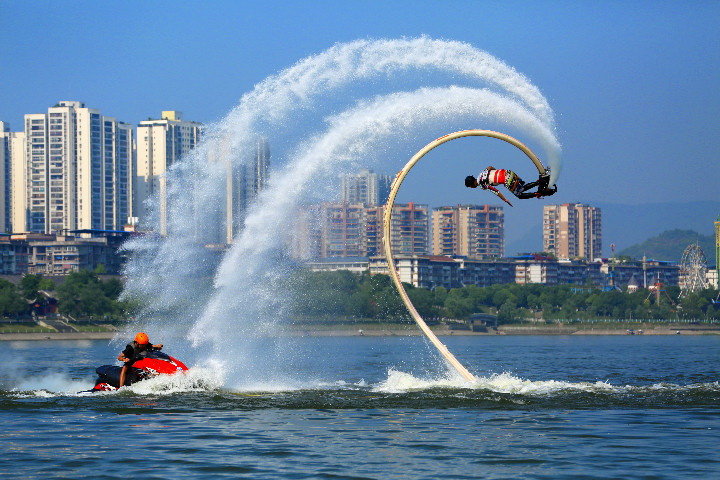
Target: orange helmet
x: 142, y: 338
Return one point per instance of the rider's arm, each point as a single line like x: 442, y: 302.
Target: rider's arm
x: 125, y: 354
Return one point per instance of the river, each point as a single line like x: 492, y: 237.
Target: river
x: 544, y: 407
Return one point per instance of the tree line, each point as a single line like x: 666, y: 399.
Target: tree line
x: 344, y: 294
x: 81, y: 295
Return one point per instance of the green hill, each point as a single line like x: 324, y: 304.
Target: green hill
x: 670, y: 244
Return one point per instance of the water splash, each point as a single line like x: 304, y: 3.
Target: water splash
x: 51, y: 383
x: 506, y: 383
x: 356, y: 104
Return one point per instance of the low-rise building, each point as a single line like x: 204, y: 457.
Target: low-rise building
x: 53, y: 255
x: 451, y: 272
x: 352, y: 264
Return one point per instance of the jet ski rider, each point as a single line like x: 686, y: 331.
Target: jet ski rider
x: 135, y: 351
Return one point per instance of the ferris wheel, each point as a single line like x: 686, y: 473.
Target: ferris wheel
x: 693, y: 270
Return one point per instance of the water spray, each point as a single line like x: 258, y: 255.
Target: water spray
x: 343, y: 105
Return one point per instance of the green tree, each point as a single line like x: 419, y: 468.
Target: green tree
x: 458, y: 304
x: 508, y: 313
x: 424, y: 301
x: 441, y: 294
x: 360, y: 305
x: 30, y: 286
x: 389, y: 305
x: 82, y: 295
x: 11, y: 300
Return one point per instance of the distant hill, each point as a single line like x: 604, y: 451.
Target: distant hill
x: 624, y: 225
x: 670, y: 244
x: 627, y: 225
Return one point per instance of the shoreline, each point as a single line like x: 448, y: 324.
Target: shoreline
x: 407, y: 331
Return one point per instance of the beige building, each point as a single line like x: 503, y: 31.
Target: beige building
x: 77, y: 171
x: 572, y: 230
x: 330, y: 230
x: 409, y: 230
x: 341, y: 228
x: 160, y: 143
x: 474, y: 231
x: 12, y: 159
x: 349, y: 230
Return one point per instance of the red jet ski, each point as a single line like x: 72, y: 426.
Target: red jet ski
x: 154, y: 363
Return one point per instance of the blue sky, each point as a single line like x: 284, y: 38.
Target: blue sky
x: 634, y: 85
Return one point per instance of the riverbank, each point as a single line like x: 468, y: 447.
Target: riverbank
x: 409, y: 330
x: 374, y: 330
x: 57, y: 336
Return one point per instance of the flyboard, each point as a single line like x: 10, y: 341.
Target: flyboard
x: 387, y: 221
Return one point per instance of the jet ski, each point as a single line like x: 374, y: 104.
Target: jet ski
x: 154, y: 363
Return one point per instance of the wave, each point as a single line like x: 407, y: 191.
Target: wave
x: 203, y: 388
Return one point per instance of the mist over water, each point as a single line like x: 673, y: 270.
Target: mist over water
x: 364, y: 104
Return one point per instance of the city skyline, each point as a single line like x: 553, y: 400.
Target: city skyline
x: 73, y: 171
x: 74, y: 168
x: 178, y: 137
x: 181, y: 136
x: 619, y: 78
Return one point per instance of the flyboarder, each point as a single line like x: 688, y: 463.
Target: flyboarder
x: 491, y: 176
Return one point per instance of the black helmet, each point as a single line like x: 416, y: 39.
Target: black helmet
x: 470, y: 181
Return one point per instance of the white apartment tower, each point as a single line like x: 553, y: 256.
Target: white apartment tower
x: 160, y: 143
x: 11, y: 152
x: 78, y: 166
x: 366, y: 187
x: 572, y: 230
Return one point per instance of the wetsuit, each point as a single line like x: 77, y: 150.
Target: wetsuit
x: 135, y: 353
x: 491, y: 176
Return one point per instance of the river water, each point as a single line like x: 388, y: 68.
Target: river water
x: 544, y: 407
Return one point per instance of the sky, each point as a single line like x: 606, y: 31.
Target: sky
x: 633, y: 84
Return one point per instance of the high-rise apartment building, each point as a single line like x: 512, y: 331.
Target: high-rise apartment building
x: 245, y: 181
x: 572, y: 230
x: 334, y: 230
x: 474, y: 231
x: 329, y: 230
x: 341, y: 228
x: 409, y: 230
x: 11, y: 153
x: 251, y: 177
x: 365, y: 187
x: 78, y: 166
x: 160, y: 143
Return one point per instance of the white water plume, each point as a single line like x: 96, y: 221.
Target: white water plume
x: 401, y: 382
x: 351, y: 135
x: 336, y: 129
x: 298, y: 86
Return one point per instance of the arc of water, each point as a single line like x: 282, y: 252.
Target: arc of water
x: 387, y: 222
x: 197, y: 185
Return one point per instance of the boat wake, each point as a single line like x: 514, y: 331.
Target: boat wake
x: 398, y: 390
x: 197, y: 379
x: 397, y: 382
